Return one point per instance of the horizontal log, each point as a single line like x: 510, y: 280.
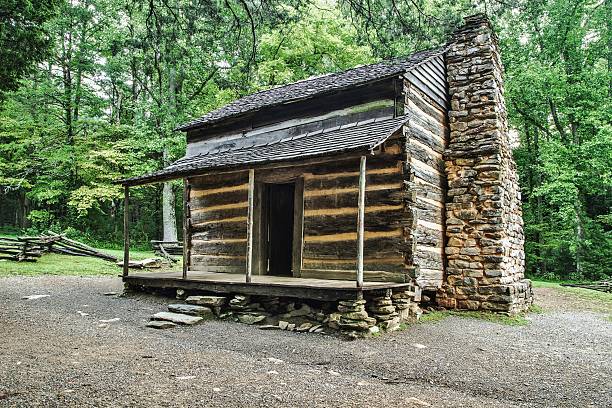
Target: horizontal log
x: 346, y: 190
x: 220, y: 269
x: 431, y: 140
x: 218, y: 260
x: 368, y: 276
x: 428, y: 176
x: 196, y: 193
x: 212, y: 181
x: 417, y: 101
x: 390, y: 176
x: 372, y: 198
x: 351, y: 210
x: 387, y: 265
x: 224, y: 214
x: 215, y: 200
x: 426, y: 156
x: 381, y: 247
x: 352, y: 236
x: 218, y: 232
x: 329, y: 224
x: 199, y: 247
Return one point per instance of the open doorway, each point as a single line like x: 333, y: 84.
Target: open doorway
x: 278, y: 228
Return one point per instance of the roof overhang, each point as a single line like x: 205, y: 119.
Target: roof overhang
x: 355, y: 137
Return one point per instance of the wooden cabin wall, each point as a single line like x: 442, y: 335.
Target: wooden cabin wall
x: 218, y: 207
x: 426, y: 138
x: 330, y: 219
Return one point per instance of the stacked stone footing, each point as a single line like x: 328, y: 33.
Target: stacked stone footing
x: 351, y: 317
x: 510, y: 299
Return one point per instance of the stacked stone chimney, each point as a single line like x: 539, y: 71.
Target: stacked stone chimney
x: 484, y: 227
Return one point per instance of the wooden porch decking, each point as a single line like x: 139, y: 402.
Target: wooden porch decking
x: 264, y: 285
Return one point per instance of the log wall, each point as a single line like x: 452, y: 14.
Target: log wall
x: 426, y: 138
x: 330, y: 219
x: 217, y: 225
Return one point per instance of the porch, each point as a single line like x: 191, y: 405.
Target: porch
x: 263, y: 285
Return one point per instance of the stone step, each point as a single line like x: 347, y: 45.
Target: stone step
x: 160, y: 324
x: 192, y: 310
x: 177, y: 318
x: 210, y: 301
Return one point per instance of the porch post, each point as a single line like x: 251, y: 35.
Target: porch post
x: 186, y: 229
x: 126, y: 230
x: 249, y: 254
x: 360, y: 220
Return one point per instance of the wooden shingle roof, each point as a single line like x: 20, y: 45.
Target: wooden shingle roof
x: 360, y: 136
x: 312, y: 87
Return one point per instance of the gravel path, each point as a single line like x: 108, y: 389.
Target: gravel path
x: 51, y: 355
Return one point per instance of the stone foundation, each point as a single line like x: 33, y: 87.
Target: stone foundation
x: 484, y: 227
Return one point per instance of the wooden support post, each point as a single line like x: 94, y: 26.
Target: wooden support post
x: 186, y: 232
x: 249, y: 254
x: 126, y: 231
x: 360, y: 220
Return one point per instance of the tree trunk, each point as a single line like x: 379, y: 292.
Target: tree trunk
x: 168, y: 213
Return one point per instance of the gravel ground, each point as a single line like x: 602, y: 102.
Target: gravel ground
x: 50, y: 355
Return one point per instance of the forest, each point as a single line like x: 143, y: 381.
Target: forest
x: 91, y: 90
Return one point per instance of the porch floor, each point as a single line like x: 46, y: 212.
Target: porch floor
x: 264, y: 285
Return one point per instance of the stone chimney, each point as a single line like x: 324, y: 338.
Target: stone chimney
x: 484, y: 227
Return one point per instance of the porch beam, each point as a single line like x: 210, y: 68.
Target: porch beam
x: 360, y: 220
x: 126, y: 230
x: 249, y: 255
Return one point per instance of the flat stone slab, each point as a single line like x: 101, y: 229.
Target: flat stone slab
x: 160, y: 324
x: 192, y: 310
x: 177, y: 318
x: 251, y: 319
x: 210, y: 301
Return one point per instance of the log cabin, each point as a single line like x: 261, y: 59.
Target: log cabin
x: 385, y: 181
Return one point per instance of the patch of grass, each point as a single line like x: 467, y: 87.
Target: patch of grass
x: 436, y: 316
x: 537, y: 309
x: 605, y: 299
x: 66, y: 265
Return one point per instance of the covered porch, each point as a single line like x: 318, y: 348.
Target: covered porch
x: 357, y: 145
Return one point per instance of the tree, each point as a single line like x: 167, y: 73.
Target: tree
x: 23, y: 38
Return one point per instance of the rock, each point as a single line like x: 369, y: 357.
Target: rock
x: 355, y: 315
x: 115, y: 319
x: 383, y: 309
x: 283, y: 325
x: 178, y: 318
x: 374, y: 330
x: 349, y: 309
x: 251, y: 319
x: 390, y: 325
x: 347, y: 324
x: 305, y: 310
x: 314, y: 328
x: 160, y: 324
x: 109, y: 293
x: 34, y: 297
x: 352, y: 302
x: 192, y: 310
x: 180, y: 293
x: 269, y: 327
x: 334, y: 318
x: 210, y: 301
x: 291, y: 327
x: 304, y: 327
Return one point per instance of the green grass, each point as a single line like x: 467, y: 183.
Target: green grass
x: 56, y: 264
x: 436, y: 316
x: 605, y: 299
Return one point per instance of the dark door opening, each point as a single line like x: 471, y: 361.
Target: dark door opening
x: 280, y: 203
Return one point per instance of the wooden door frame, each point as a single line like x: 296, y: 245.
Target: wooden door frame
x: 260, y: 220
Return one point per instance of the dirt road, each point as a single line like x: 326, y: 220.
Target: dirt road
x: 57, y: 351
